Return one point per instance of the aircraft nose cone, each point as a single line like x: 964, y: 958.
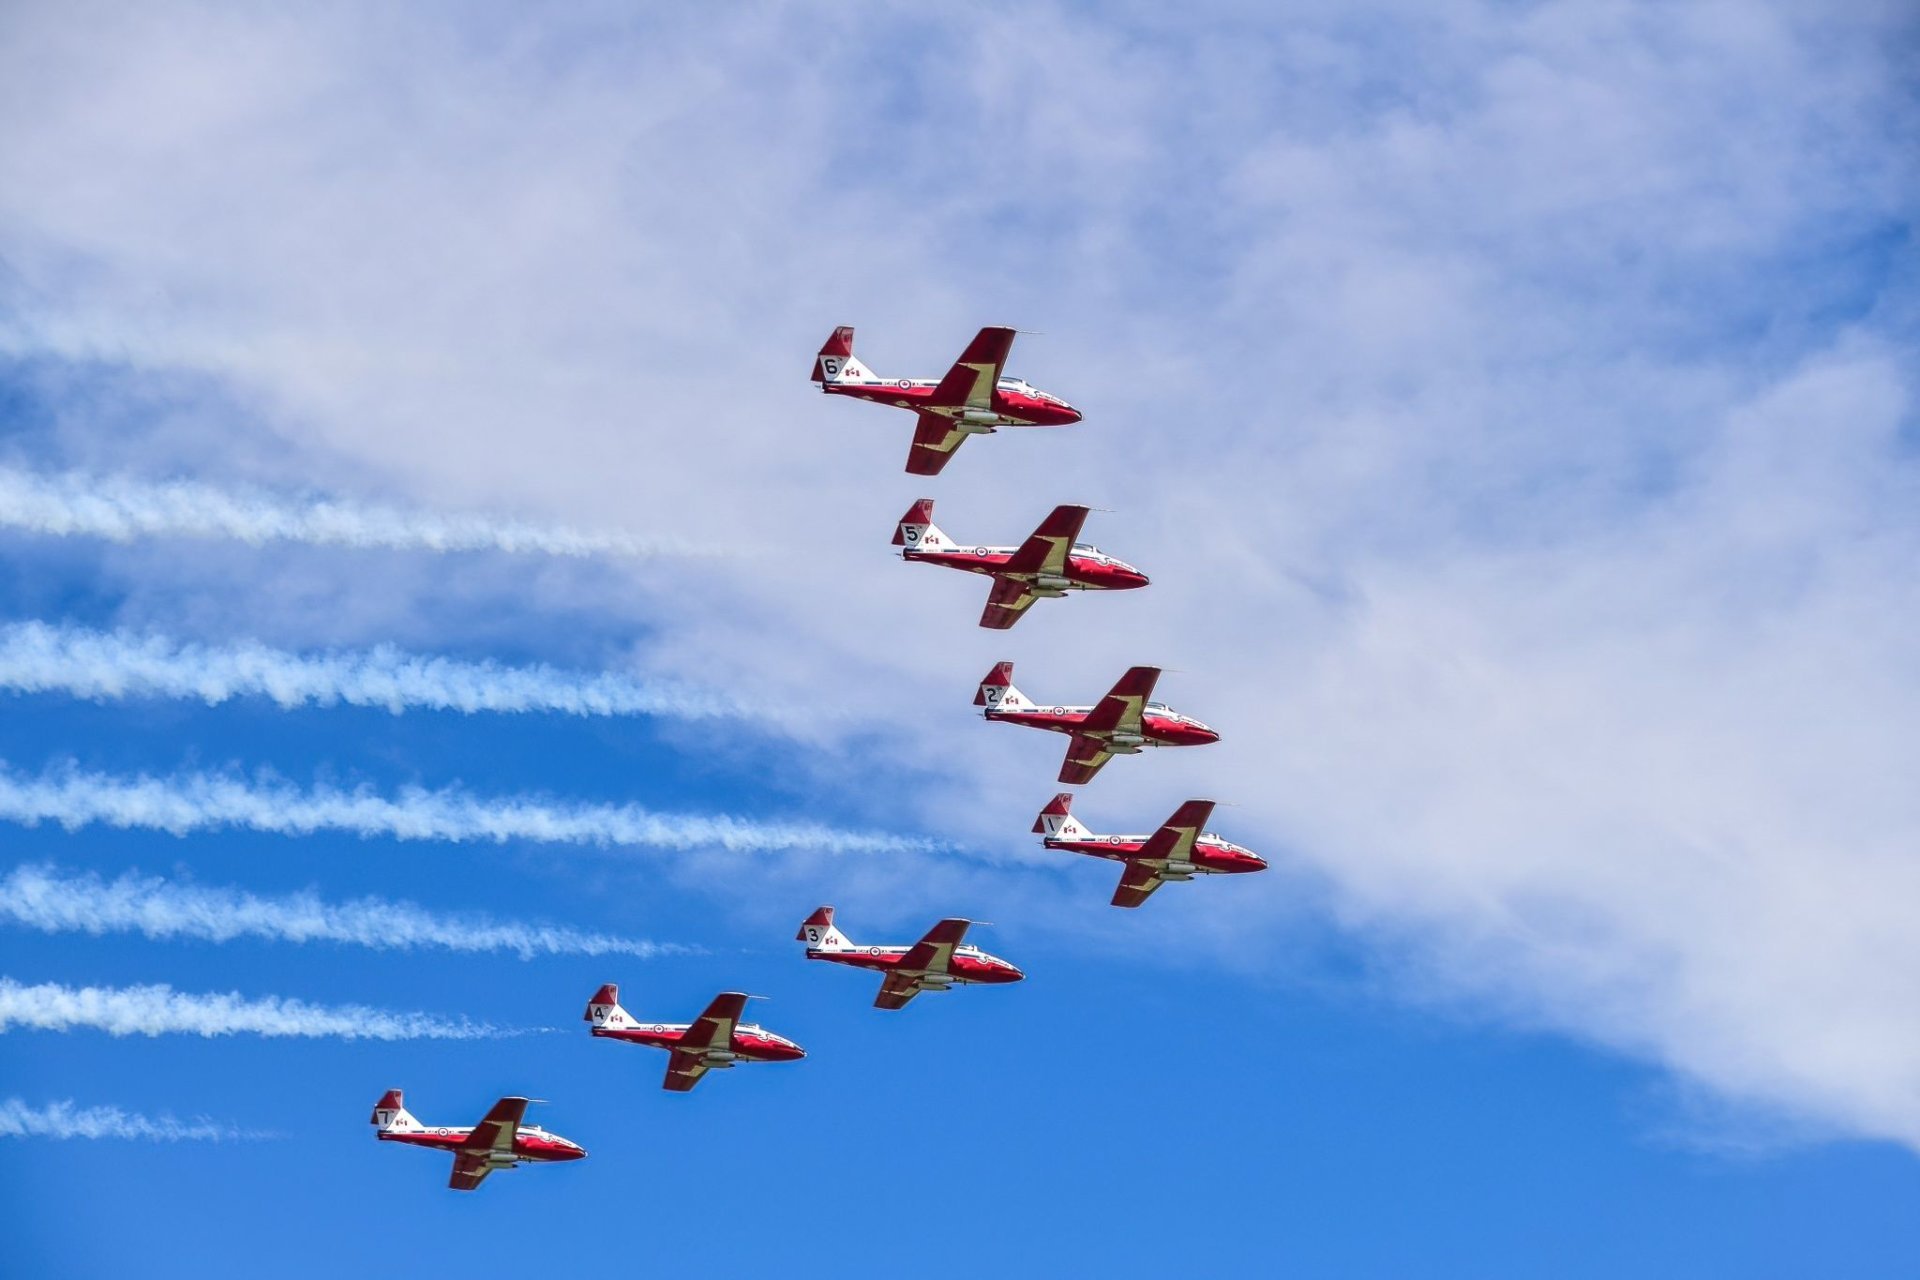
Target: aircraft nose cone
x: 1209, y: 735
x: 1014, y: 975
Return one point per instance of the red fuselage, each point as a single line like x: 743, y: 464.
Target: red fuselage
x: 969, y: 964
x: 1159, y: 726
x: 528, y: 1143
x: 1210, y: 852
x: 1013, y: 406
x: 1096, y: 572
x: 754, y: 1044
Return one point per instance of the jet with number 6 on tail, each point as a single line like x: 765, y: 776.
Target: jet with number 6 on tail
x: 1050, y: 563
x: 974, y: 398
x: 717, y: 1038
x: 1178, y: 851
x: 499, y: 1141
x: 1122, y: 723
x: 939, y: 961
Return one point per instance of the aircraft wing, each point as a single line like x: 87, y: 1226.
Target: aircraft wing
x: 1006, y: 603
x: 1173, y: 842
x: 715, y: 1026
x: 1137, y: 884
x: 1046, y: 550
x: 1125, y: 704
x: 934, y: 440
x: 684, y: 1070
x: 497, y: 1130
x: 1085, y: 757
x: 469, y: 1171
x: 969, y: 384
x: 933, y: 953
x: 896, y: 992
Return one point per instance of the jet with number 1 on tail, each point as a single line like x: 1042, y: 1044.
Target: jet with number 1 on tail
x: 1050, y: 563
x: 974, y: 398
x: 1122, y: 723
x: 1181, y: 849
x: 500, y: 1141
x: 941, y: 960
x: 717, y: 1038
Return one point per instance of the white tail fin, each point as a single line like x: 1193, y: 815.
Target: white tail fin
x: 837, y: 363
x: 819, y: 933
x: 604, y: 1010
x: 390, y: 1114
x: 917, y: 531
x: 996, y: 692
x: 1056, y: 822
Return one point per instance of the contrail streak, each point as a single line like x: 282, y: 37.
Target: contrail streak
x: 122, y: 509
x: 42, y: 898
x: 38, y: 658
x: 159, y: 1010
x: 185, y: 803
x: 64, y: 1120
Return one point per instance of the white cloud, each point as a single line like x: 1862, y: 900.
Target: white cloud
x: 157, y: 1010
x: 63, y: 1120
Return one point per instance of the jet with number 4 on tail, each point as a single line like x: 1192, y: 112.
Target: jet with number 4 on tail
x: 499, y: 1141
x: 1178, y: 851
x: 1122, y: 723
x: 941, y: 960
x: 1050, y: 563
x: 974, y: 398
x: 717, y: 1038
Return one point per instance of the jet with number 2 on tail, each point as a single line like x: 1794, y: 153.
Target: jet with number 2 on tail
x: 1122, y: 723
x: 1178, y: 851
x: 500, y: 1141
x: 939, y: 961
x: 1048, y: 564
x: 717, y: 1038
x: 974, y: 398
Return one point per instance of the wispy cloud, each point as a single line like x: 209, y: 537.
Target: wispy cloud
x: 200, y: 801
x: 121, y: 509
x: 64, y: 1120
x: 37, y: 658
x: 43, y: 898
x: 158, y: 1010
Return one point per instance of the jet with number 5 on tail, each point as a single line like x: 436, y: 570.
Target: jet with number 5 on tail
x: 1048, y: 564
x: 939, y: 961
x: 717, y: 1038
x: 1178, y: 851
x: 499, y: 1141
x: 974, y: 398
x: 1122, y: 723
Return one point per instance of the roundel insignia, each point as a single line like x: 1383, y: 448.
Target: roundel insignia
x: 905, y: 383
x: 873, y: 951
x: 979, y: 551
x: 1059, y: 711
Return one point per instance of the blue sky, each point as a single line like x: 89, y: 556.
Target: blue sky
x: 1512, y: 404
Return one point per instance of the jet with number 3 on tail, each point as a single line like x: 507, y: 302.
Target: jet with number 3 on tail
x: 974, y: 398
x: 939, y: 961
x: 1122, y: 723
x: 1178, y: 851
x: 499, y: 1141
x: 1048, y: 564
x: 717, y: 1038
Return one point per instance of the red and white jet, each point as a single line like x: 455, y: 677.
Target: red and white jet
x: 975, y: 398
x: 1121, y: 723
x: 717, y: 1038
x: 500, y: 1141
x: 938, y: 961
x: 1049, y: 564
x: 1179, y: 850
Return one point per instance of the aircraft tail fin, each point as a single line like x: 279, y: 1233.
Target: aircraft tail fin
x: 820, y: 934
x: 837, y: 363
x: 996, y: 692
x: 1056, y: 821
x: 604, y: 1010
x: 390, y: 1114
x: 917, y: 531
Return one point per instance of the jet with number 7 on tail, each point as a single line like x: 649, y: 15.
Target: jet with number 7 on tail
x: 1179, y: 850
x: 941, y: 960
x: 1049, y: 563
x: 717, y: 1038
x: 499, y: 1141
x: 974, y: 398
x: 1122, y: 723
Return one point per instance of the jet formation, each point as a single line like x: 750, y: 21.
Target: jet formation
x: 974, y: 397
